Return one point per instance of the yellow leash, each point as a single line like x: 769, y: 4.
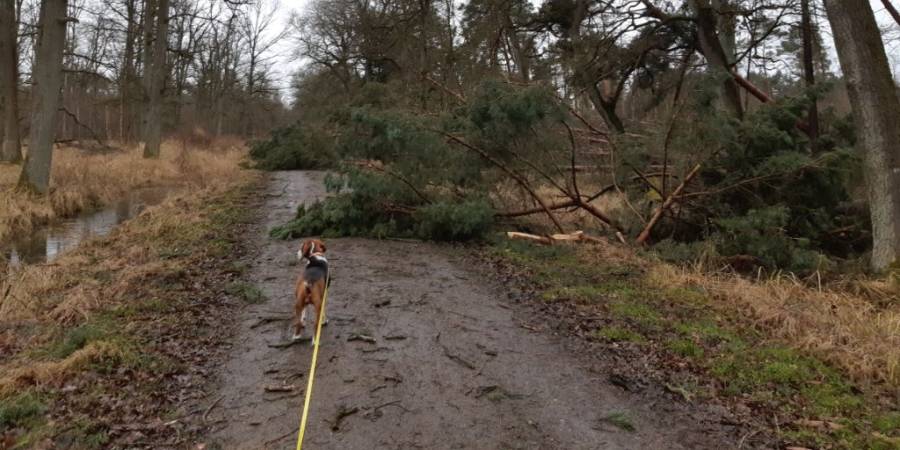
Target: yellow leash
x: 312, y: 370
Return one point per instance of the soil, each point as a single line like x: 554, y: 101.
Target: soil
x: 456, y: 361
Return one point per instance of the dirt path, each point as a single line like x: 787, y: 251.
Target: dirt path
x: 452, y: 366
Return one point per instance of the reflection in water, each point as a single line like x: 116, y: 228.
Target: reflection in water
x: 47, y: 243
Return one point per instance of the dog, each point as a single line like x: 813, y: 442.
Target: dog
x: 310, y: 286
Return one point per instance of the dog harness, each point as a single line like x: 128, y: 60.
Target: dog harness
x: 317, y: 260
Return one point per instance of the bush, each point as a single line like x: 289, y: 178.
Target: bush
x: 454, y: 221
x: 294, y: 148
x: 762, y: 233
x: 352, y: 214
x: 767, y: 195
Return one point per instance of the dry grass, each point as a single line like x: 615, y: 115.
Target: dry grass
x: 118, y: 269
x: 853, y: 324
x: 76, y: 283
x: 82, y: 180
x: 838, y: 326
x: 55, y: 372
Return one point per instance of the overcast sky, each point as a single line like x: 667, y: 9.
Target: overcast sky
x: 288, y: 63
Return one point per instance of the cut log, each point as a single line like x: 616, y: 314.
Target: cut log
x: 529, y: 237
x: 574, y: 236
x: 577, y: 236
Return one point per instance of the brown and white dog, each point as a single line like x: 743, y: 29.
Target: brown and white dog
x: 310, y: 287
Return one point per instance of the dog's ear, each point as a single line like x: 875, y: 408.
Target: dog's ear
x: 320, y: 245
x: 304, y: 249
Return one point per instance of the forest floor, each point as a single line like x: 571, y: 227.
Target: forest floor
x: 168, y: 334
x: 456, y: 362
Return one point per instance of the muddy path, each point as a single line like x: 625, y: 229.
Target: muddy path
x: 453, y: 366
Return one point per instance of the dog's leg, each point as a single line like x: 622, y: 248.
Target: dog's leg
x: 299, y: 312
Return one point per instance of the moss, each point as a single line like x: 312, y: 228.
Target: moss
x: 621, y: 421
x: 689, y: 296
x: 888, y: 424
x: 743, y: 360
x: 685, y: 348
x: 707, y: 331
x: 578, y: 294
x: 21, y: 410
x: 640, y: 313
x: 76, y: 338
x: 624, y: 290
x: 809, y: 383
x: 247, y: 292
x: 617, y: 334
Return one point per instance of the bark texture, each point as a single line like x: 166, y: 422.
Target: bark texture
x: 155, y: 78
x: 707, y: 19
x: 47, y: 78
x: 10, y: 148
x: 876, y: 114
x: 809, y: 71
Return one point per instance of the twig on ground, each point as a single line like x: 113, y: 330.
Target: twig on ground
x: 361, y: 337
x: 282, y: 397
x: 286, y: 388
x: 343, y: 413
x: 211, y: 407
x: 269, y: 319
x: 458, y: 359
x: 391, y: 403
x: 288, y: 343
x: 272, y: 441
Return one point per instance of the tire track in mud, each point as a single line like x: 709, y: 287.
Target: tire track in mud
x: 451, y: 367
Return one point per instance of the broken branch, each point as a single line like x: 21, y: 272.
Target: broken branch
x: 670, y: 200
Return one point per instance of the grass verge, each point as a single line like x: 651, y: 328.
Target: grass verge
x: 100, y: 344
x: 733, y: 344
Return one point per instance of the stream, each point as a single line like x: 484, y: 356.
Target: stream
x: 46, y: 243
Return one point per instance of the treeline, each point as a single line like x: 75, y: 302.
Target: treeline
x: 710, y: 128
x: 132, y: 71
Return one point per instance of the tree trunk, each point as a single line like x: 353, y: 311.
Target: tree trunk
x: 712, y: 49
x: 876, y: 114
x: 727, y: 28
x: 10, y: 148
x: 47, y: 80
x: 129, y: 71
x: 809, y: 72
x: 155, y: 82
x: 606, y: 109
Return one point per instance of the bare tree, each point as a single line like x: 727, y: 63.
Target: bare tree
x: 876, y: 113
x: 128, y: 71
x: 255, y: 26
x: 10, y: 150
x: 47, y: 80
x: 155, y: 74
